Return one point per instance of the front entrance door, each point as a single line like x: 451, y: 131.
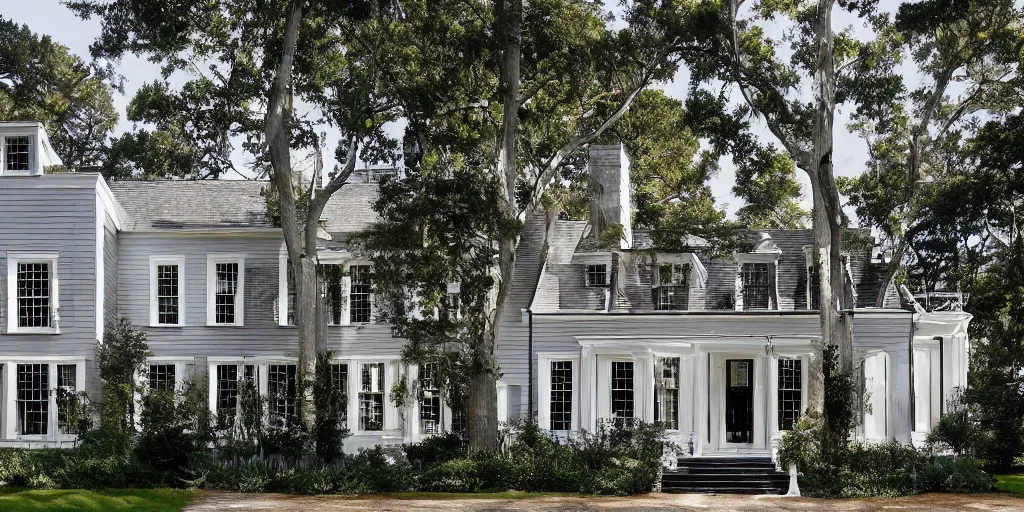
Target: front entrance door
x: 739, y: 401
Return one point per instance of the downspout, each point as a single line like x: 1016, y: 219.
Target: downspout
x: 913, y: 384
x: 942, y: 378
x: 530, y: 414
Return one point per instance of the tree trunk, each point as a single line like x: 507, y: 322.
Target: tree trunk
x: 303, y: 265
x: 483, y: 393
x: 834, y: 319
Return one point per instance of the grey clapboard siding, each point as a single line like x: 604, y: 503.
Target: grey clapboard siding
x: 53, y: 214
x: 110, y: 241
x: 888, y: 331
x: 513, y: 340
x: 260, y: 335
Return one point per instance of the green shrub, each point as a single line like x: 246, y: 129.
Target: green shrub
x: 953, y: 474
x: 381, y: 469
x: 435, y: 449
x: 956, y: 431
x: 459, y: 475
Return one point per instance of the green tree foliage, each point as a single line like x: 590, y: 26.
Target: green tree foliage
x: 41, y: 80
x: 966, y: 235
x: 438, y: 230
x: 331, y: 404
x: 121, y: 356
x: 968, y: 54
x: 517, y: 103
x: 275, y: 75
x: 189, y: 138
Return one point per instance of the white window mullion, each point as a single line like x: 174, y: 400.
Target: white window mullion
x: 225, y: 279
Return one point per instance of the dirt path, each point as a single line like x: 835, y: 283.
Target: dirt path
x: 644, y: 503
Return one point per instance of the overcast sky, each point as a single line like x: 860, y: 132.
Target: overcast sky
x: 50, y: 17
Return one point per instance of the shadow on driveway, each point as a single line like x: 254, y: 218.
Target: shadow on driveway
x: 210, y: 501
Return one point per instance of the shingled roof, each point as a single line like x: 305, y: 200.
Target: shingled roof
x: 237, y: 204
x: 562, y: 285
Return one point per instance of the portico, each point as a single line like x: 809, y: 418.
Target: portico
x: 717, y: 395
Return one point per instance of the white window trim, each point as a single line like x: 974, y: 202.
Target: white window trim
x: 416, y: 424
x: 544, y: 361
x: 211, y: 287
x: 346, y: 290
x: 587, y: 274
x: 391, y: 371
x: 262, y: 373
x: 33, y: 142
x: 772, y: 259
x: 11, y: 401
x: 179, y: 369
x: 282, y: 289
x: 808, y: 268
x: 13, y: 259
x: 154, y: 313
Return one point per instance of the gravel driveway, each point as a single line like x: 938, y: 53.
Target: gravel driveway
x: 644, y: 503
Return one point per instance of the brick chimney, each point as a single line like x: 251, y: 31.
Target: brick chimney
x: 610, y: 192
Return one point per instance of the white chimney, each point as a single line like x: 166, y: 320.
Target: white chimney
x: 610, y: 191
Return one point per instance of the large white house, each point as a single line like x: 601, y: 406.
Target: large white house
x: 716, y: 348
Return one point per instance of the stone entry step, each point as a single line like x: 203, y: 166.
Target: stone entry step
x: 725, y: 475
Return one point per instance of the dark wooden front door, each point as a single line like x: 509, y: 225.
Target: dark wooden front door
x: 739, y: 400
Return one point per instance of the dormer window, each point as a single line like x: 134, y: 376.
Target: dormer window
x: 17, y: 154
x: 757, y: 286
x: 672, y: 287
x: 597, y: 275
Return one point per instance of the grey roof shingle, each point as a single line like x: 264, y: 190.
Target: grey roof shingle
x: 562, y: 286
x: 204, y: 204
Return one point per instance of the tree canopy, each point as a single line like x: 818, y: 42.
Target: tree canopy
x: 41, y: 80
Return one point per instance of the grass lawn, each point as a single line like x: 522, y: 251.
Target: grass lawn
x: 1013, y: 484
x: 109, y: 500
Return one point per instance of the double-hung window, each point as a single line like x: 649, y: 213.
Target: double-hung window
x: 32, y: 293
x: 561, y: 395
x: 339, y: 378
x: 360, y: 299
x: 371, y: 397
x: 46, y: 398
x: 790, y: 391
x: 162, y: 377
x: 166, y: 286
x: 228, y: 381
x: 666, y: 392
x: 33, y: 399
x: 17, y: 154
x: 757, y: 286
x: 623, y: 406
x: 672, y: 290
x: 282, y: 394
x: 430, y: 399
x: 225, y: 302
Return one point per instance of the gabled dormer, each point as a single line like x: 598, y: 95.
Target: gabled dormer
x: 757, y: 276
x: 25, y: 149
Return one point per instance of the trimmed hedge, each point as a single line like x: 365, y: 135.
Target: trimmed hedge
x: 867, y: 470
x: 615, y: 460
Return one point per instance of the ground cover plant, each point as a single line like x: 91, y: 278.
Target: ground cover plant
x: 109, y: 500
